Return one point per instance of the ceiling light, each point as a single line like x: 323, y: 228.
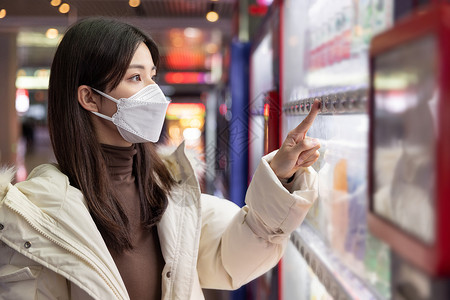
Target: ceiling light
x: 2, y: 13
x: 55, y: 2
x: 134, y: 3
x: 212, y: 16
x: 64, y: 8
x: 52, y: 33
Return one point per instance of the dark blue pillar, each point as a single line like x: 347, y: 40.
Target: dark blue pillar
x: 238, y: 143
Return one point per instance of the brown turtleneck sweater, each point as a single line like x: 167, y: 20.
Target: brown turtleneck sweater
x: 142, y: 266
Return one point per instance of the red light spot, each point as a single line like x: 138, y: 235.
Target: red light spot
x: 257, y: 10
x: 223, y: 109
x: 266, y: 110
x: 184, y: 77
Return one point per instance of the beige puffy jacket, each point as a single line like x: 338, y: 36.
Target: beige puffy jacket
x: 50, y: 247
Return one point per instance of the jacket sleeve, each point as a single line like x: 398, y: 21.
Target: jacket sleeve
x: 239, y: 244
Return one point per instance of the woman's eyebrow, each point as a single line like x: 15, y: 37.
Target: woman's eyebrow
x: 136, y: 67
x: 140, y: 67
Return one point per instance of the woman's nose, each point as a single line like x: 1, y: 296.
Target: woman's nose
x: 149, y: 80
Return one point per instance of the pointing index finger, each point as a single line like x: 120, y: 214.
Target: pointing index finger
x: 304, y: 126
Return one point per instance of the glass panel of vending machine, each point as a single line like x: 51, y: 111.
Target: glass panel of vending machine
x: 405, y: 91
x: 325, y: 56
x: 409, y: 152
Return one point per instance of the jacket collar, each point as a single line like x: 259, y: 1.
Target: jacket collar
x: 179, y: 228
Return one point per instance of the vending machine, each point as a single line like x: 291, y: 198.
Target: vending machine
x: 409, y: 150
x: 325, y: 56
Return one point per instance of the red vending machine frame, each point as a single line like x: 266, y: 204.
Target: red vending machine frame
x: 272, y: 117
x: 433, y: 258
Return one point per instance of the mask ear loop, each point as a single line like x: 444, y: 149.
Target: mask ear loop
x: 108, y: 97
x: 102, y: 116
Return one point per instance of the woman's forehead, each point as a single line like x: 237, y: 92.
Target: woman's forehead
x: 143, y: 57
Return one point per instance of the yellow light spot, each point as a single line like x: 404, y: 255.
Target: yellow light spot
x: 52, y: 33
x: 195, y: 123
x: 177, y: 42
x: 184, y: 122
x: 134, y: 3
x: 359, y: 30
x: 64, y: 8
x: 21, y: 72
x: 211, y: 48
x: 55, y: 2
x: 174, y: 132
x: 2, y: 13
x: 212, y: 16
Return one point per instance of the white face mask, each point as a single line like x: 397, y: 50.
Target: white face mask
x: 139, y: 118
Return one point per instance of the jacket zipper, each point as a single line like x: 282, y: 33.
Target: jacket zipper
x: 64, y: 246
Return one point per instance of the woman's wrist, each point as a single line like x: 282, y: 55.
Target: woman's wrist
x: 287, y: 180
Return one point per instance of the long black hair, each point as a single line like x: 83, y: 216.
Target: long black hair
x: 97, y: 52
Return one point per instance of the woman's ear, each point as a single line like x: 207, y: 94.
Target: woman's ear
x: 88, y: 99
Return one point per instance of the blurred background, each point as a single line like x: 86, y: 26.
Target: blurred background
x: 193, y: 37
x: 240, y: 75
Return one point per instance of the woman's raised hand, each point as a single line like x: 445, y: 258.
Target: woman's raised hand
x: 297, y: 150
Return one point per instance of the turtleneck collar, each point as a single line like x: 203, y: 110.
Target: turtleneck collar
x: 119, y: 160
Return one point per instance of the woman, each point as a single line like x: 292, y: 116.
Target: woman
x: 113, y: 220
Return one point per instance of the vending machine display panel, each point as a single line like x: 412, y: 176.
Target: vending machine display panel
x: 405, y: 98
x: 409, y: 148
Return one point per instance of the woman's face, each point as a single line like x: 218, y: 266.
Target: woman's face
x: 139, y: 74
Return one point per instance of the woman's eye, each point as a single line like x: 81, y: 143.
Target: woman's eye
x: 136, y: 78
